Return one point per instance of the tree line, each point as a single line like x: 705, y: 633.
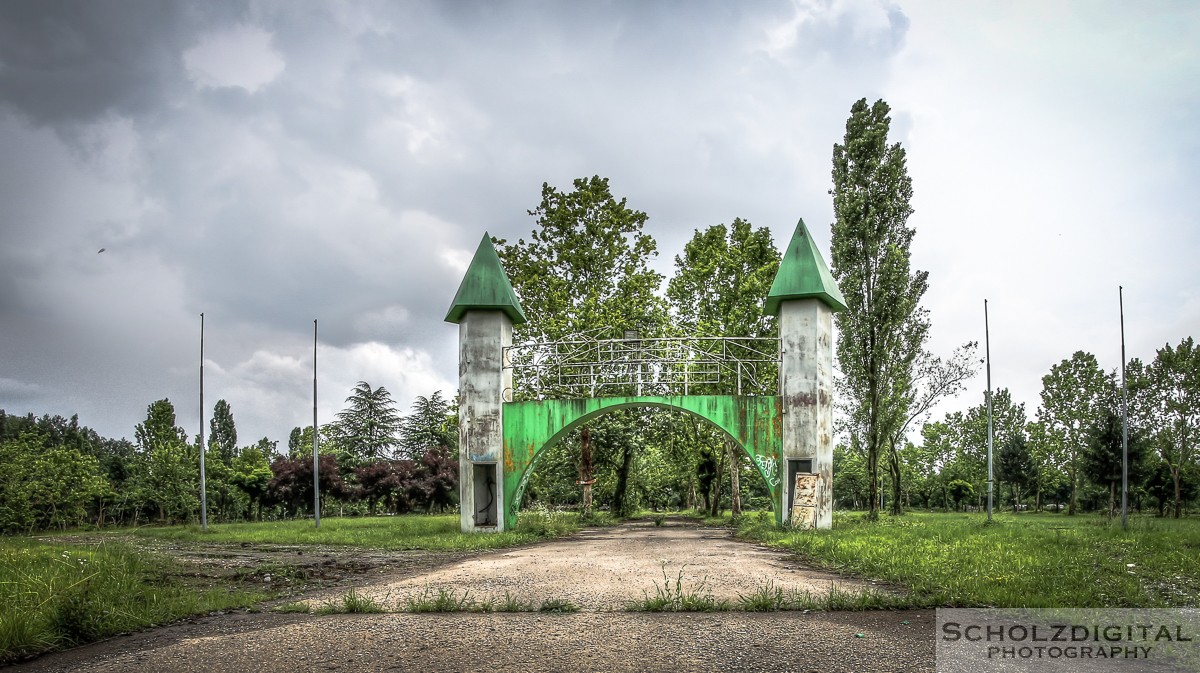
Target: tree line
x: 56, y: 473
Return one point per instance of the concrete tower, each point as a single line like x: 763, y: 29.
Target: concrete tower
x: 485, y: 309
x: 804, y: 296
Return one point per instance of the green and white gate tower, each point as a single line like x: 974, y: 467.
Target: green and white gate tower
x: 786, y: 430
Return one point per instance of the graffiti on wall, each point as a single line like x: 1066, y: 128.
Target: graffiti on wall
x: 770, y: 469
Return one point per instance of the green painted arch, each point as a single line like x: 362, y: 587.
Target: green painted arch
x: 754, y: 423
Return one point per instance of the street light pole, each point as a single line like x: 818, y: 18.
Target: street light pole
x: 203, y: 489
x: 316, y: 440
x: 988, y: 352
x: 1124, y: 420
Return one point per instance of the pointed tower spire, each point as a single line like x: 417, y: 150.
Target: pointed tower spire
x: 803, y: 273
x: 485, y: 287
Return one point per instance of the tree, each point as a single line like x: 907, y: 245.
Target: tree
x: 719, y: 287
x: 934, y: 380
x: 427, y: 425
x: 1103, y: 455
x: 222, y: 435
x: 959, y: 490
x: 1167, y: 407
x: 251, y: 472
x: 159, y: 426
x: 1073, y: 402
x: 584, y: 273
x: 883, y: 331
x: 46, y: 486
x: 370, y: 427
x: 1014, y: 465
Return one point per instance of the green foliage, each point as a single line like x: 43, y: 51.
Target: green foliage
x: 444, y: 600
x: 223, y: 432
x: 883, y: 331
x: 54, y: 596
x: 1025, y: 560
x: 46, y: 486
x: 1014, y: 465
x: 1075, y: 395
x: 414, y: 531
x: 293, y: 608
x: 1165, y: 407
x: 543, y: 522
x: 369, y: 428
x: 671, y: 596
x: 159, y: 427
x: 561, y: 605
x: 1103, y: 457
x: 251, y: 473
x: 429, y: 425
x: 352, y: 603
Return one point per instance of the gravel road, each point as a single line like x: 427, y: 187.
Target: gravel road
x: 601, y: 570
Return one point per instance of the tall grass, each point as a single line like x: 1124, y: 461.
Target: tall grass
x: 1024, y: 560
x: 436, y: 533
x: 54, y: 595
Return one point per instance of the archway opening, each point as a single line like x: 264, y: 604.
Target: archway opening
x: 648, y: 457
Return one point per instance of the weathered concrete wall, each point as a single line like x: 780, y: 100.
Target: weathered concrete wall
x: 483, y: 386
x: 806, y: 386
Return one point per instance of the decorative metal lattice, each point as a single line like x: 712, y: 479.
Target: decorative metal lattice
x: 667, y: 366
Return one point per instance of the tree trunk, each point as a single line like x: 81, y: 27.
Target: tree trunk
x: 1112, y: 499
x: 735, y: 485
x: 1071, y: 504
x: 718, y: 482
x: 585, y: 468
x: 1178, y: 496
x: 621, y: 495
x: 894, y: 470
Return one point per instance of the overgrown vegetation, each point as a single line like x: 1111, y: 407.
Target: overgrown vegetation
x: 670, y: 595
x: 1024, y: 560
x: 54, y: 595
x: 435, y: 532
x: 353, y: 604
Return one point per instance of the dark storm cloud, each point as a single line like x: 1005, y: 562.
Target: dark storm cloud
x: 69, y: 62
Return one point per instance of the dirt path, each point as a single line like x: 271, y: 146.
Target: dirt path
x: 605, y: 569
x: 600, y: 570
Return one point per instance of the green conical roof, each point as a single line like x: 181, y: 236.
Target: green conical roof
x: 486, y: 287
x: 802, y: 274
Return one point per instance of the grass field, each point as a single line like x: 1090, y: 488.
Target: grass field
x: 56, y: 595
x: 1022, y: 560
x: 436, y: 533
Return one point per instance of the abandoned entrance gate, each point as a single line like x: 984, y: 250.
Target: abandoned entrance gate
x: 788, y: 436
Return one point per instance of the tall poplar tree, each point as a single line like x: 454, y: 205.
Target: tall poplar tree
x: 222, y: 432
x: 883, y: 331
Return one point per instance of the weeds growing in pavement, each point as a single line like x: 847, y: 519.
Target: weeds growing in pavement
x: 670, y: 596
x: 353, y: 604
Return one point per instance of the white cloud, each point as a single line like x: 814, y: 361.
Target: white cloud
x: 239, y: 57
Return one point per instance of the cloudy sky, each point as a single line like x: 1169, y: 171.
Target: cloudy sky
x: 268, y: 163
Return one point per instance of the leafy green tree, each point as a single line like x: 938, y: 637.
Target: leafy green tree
x: 584, y: 274
x: 721, y: 282
x: 959, y: 490
x: 1103, y: 456
x: 1015, y: 466
x: 222, y: 435
x: 46, y: 486
x: 159, y: 427
x: 428, y: 425
x: 167, y: 481
x: 850, y: 487
x: 1075, y: 395
x: 881, y: 335
x: 369, y: 428
x: 251, y: 472
x: 1167, y: 407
